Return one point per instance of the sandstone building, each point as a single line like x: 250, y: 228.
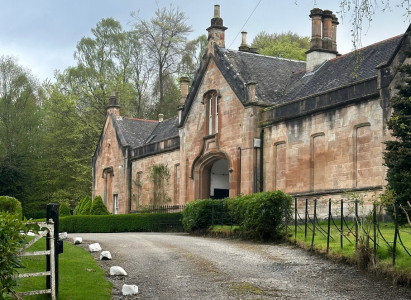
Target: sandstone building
x: 253, y: 123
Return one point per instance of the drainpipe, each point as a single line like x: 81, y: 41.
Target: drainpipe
x: 130, y: 180
x: 261, y: 159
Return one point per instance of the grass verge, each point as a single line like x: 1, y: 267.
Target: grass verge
x: 80, y: 276
x: 362, y: 256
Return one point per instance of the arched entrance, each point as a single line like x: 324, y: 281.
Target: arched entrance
x: 219, y: 180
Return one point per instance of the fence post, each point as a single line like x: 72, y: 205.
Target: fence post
x: 295, y: 220
x: 329, y: 227
x: 286, y: 218
x: 342, y: 225
x: 395, y: 235
x: 306, y: 218
x: 356, y: 224
x: 315, y: 215
x: 375, y: 232
x: 53, y: 213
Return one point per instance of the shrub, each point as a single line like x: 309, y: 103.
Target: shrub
x: 64, y: 210
x: 10, y: 242
x: 11, y: 205
x: 80, y: 205
x: 41, y: 214
x: 115, y: 223
x: 98, y: 207
x: 85, y: 205
x: 261, y: 213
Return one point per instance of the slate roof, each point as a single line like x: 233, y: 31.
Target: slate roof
x: 137, y: 132
x: 271, y: 73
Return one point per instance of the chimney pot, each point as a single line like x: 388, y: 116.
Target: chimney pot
x: 217, y: 29
x: 160, y: 117
x: 216, y: 11
x: 244, y: 47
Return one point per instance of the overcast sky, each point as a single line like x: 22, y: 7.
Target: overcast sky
x: 43, y: 34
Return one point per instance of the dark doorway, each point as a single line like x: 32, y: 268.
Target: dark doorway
x: 221, y: 193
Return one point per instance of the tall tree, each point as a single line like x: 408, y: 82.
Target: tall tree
x: 398, y: 151
x: 20, y: 120
x: 193, y: 54
x: 286, y: 45
x: 164, y: 38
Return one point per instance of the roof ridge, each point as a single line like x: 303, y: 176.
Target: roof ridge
x: 380, y: 42
x: 170, y: 118
x: 155, y: 121
x: 268, y: 56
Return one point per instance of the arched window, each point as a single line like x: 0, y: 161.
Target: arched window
x: 211, y: 100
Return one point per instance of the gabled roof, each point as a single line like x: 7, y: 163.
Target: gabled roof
x: 137, y: 132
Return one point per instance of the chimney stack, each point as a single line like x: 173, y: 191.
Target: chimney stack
x: 244, y: 47
x: 184, y: 81
x: 323, y: 39
x: 251, y: 90
x: 113, y: 107
x: 160, y: 117
x: 217, y: 29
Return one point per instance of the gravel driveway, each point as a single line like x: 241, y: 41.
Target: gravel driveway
x: 179, y: 266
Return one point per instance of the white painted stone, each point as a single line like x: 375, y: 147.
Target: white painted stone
x: 62, y: 235
x: 94, y: 247
x: 77, y: 240
x: 31, y: 233
x: 129, y: 289
x: 116, y: 270
x: 105, y: 255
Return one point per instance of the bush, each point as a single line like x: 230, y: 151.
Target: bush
x: 10, y: 242
x: 115, y: 223
x: 80, y: 205
x: 84, y: 208
x: 261, y: 213
x: 41, y: 214
x: 64, y: 210
x: 98, y: 207
x: 11, y: 205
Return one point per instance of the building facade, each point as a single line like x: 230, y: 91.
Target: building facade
x: 251, y: 123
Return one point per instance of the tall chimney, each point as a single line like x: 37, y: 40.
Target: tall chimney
x: 216, y: 30
x: 323, y: 47
x: 316, y: 19
x: 334, y: 34
x: 327, y: 29
x: 184, y: 81
x: 113, y: 107
x: 244, y: 47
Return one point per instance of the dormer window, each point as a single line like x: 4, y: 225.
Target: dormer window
x: 212, y: 112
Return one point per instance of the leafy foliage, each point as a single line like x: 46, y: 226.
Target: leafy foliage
x: 10, y: 242
x: 115, y: 223
x: 85, y: 209
x: 398, y: 151
x: 160, y: 177
x: 64, y: 210
x: 261, y: 213
x: 285, y: 45
x: 10, y: 205
x: 98, y: 207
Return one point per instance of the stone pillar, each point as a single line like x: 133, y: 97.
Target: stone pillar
x: 216, y: 30
x: 316, y: 19
x: 184, y: 81
x: 113, y: 107
x: 327, y: 30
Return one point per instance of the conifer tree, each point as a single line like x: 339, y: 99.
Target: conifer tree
x: 98, y: 207
x: 64, y: 210
x: 398, y: 151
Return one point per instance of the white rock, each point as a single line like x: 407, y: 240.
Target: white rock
x: 105, y: 255
x: 116, y: 270
x: 77, y: 240
x: 31, y: 233
x: 62, y: 235
x: 129, y: 289
x: 94, y: 247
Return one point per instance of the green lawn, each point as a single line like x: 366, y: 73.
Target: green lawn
x: 384, y: 252
x: 80, y: 276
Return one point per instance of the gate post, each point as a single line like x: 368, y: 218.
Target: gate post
x: 53, y: 213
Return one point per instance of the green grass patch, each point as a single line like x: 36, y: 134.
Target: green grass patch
x: 79, y: 278
x: 402, y: 268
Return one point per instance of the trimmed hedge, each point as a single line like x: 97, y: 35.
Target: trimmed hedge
x: 116, y: 223
x: 11, y: 205
x: 41, y: 214
x: 261, y: 213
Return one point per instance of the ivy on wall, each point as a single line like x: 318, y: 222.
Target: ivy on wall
x: 159, y: 176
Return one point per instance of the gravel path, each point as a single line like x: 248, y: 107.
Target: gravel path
x: 179, y: 266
